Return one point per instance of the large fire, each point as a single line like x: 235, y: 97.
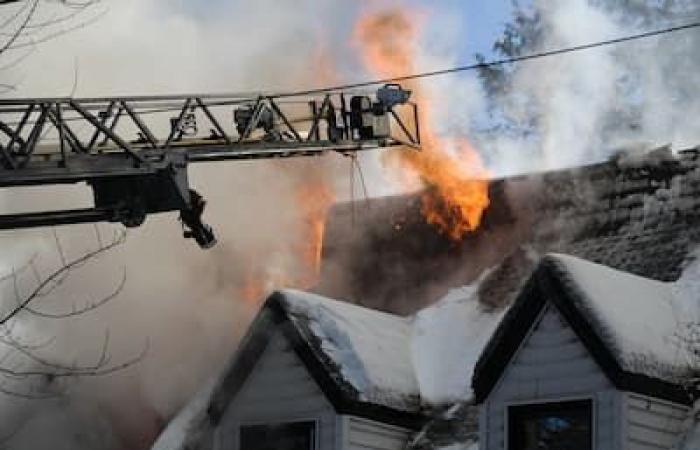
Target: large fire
x: 456, y: 181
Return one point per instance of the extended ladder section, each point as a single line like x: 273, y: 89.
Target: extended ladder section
x: 134, y: 151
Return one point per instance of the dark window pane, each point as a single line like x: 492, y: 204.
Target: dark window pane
x: 551, y: 426
x: 284, y: 436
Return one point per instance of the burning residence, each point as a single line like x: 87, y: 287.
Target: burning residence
x: 527, y: 336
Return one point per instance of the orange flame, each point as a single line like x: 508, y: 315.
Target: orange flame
x: 457, y: 193
x: 295, y: 263
x: 315, y: 200
x: 313, y: 196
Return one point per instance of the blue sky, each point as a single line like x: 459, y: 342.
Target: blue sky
x: 483, y: 20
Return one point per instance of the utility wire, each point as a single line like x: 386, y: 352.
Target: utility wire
x: 243, y: 98
x: 493, y: 63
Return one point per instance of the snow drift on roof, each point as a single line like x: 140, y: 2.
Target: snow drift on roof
x: 400, y: 361
x: 448, y: 339
x: 370, y: 348
x: 639, y: 319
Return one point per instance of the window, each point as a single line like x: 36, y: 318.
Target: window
x: 283, y: 436
x: 551, y: 426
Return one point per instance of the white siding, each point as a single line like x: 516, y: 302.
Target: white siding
x: 652, y: 424
x: 361, y: 434
x: 279, y: 389
x: 552, y: 365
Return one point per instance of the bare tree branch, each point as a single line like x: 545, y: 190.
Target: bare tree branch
x: 89, y: 306
x: 31, y: 39
x: 24, y: 372
x: 58, y: 275
x: 21, y: 28
x: 22, y: 366
x: 78, y: 371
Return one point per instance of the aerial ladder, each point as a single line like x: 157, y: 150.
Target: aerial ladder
x: 134, y: 152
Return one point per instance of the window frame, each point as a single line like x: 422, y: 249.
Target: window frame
x: 314, y: 422
x: 548, y: 403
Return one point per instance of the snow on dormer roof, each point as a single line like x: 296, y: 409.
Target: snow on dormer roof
x: 635, y: 328
x: 641, y: 320
x: 365, y: 349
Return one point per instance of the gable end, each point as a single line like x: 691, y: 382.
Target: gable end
x: 549, y: 283
x: 343, y: 397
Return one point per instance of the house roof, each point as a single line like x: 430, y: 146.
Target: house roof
x: 359, y: 357
x: 636, y: 213
x: 366, y: 350
x: 627, y: 323
x: 382, y: 366
x: 368, y: 363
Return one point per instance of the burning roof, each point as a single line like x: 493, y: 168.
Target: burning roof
x: 449, y: 166
x: 636, y: 214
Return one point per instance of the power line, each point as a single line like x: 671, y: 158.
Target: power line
x: 242, y: 98
x: 493, y: 63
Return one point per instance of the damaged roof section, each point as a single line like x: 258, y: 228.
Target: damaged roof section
x: 636, y: 213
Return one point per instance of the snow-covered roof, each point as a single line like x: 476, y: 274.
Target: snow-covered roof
x: 407, y: 363
x: 359, y: 357
x: 393, y: 360
x: 374, y: 358
x: 634, y: 327
x: 459, y: 326
x: 640, y: 320
x: 448, y: 338
x: 369, y: 349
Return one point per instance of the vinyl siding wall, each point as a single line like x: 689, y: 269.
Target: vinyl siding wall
x: 552, y: 365
x: 363, y: 434
x: 652, y: 424
x: 279, y: 389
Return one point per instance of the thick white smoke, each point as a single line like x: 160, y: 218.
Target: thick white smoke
x: 585, y: 105
x: 178, y: 301
x: 574, y: 91
x: 585, y: 96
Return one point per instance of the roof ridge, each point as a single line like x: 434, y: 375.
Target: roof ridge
x: 293, y: 295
